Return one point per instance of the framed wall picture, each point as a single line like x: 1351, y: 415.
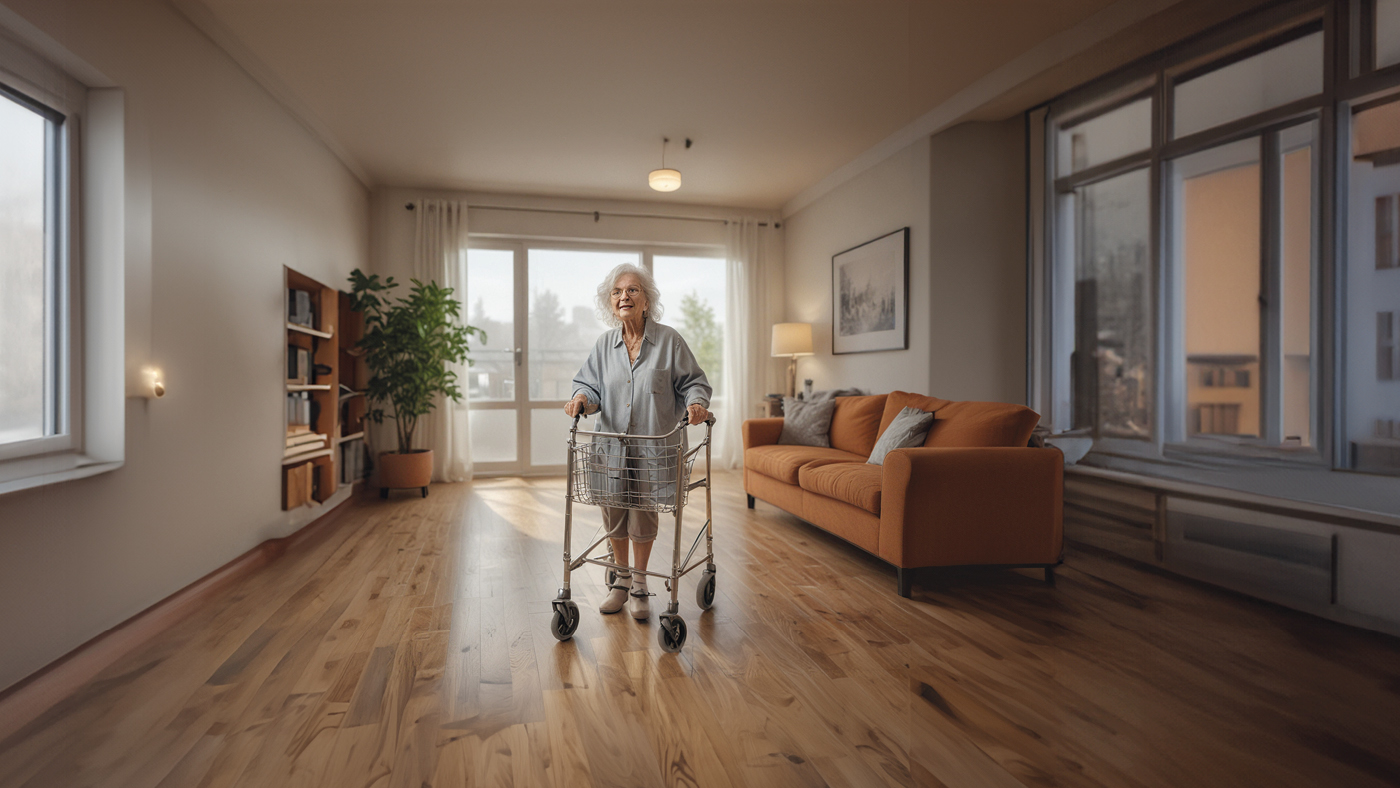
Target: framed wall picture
x: 870, y: 296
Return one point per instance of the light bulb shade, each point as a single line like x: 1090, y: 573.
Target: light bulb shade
x: 792, y: 339
x: 665, y: 180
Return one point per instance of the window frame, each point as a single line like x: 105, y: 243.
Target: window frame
x: 1157, y: 75
x: 63, y: 402
x: 523, y: 404
x: 94, y: 256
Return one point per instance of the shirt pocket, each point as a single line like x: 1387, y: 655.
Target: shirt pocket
x: 661, y: 380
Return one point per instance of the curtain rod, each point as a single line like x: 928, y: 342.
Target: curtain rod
x: 597, y: 214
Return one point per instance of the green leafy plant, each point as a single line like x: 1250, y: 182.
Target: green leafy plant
x: 409, y: 345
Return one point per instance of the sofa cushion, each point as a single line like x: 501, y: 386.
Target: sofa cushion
x: 783, y: 462
x: 909, y: 429
x: 806, y: 423
x: 857, y: 484
x: 856, y: 422
x: 966, y: 424
x: 981, y: 424
x: 899, y: 400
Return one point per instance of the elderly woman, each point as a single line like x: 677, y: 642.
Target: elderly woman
x: 641, y: 377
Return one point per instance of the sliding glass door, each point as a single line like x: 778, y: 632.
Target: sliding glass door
x: 537, y: 303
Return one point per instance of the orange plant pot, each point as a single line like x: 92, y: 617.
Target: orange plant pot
x: 401, y: 471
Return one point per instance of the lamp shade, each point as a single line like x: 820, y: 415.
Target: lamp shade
x: 792, y: 339
x: 664, y: 180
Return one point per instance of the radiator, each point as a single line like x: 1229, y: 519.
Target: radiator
x: 1283, y: 559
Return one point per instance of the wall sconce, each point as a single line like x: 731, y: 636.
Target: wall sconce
x: 155, y: 382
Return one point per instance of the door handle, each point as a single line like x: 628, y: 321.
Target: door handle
x: 519, y: 356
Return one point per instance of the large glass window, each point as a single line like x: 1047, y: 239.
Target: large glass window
x: 1269, y: 79
x: 1217, y: 242
x: 491, y: 307
x: 1373, y: 292
x: 1213, y: 346
x: 1114, y: 134
x: 694, y: 292
x: 1112, y: 366
x: 563, y: 320
x: 30, y: 281
x: 1387, y: 32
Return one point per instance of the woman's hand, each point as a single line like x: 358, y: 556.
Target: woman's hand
x: 697, y: 413
x: 576, y: 405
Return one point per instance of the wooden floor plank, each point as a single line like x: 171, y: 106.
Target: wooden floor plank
x: 410, y: 646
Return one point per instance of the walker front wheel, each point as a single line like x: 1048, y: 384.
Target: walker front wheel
x: 705, y: 591
x: 565, y: 620
x: 672, y: 633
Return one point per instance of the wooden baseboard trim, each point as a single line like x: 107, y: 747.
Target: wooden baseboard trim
x: 35, y: 694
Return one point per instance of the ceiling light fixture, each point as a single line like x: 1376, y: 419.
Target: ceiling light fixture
x: 665, y: 180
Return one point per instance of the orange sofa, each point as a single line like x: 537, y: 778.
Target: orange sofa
x: 973, y: 494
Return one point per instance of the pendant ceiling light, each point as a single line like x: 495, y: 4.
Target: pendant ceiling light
x: 664, y: 180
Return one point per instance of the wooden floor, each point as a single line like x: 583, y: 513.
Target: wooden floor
x: 409, y: 646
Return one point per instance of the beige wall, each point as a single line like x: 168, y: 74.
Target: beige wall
x: 962, y: 194
x: 888, y: 196
x: 977, y: 293
x: 224, y: 188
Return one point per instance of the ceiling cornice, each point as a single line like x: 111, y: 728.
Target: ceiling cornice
x: 202, y: 18
x: 1050, y: 52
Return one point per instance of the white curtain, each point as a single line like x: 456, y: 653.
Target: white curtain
x: 746, y: 342
x: 439, y: 255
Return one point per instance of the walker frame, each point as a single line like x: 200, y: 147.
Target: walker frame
x: 581, y: 487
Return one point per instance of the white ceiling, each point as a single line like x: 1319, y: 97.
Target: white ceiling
x: 572, y: 97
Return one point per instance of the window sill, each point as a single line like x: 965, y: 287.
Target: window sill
x: 28, y: 473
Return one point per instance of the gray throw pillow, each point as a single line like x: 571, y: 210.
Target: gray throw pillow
x: 908, y: 429
x: 806, y: 423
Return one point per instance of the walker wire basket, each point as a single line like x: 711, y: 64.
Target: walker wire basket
x: 631, y: 473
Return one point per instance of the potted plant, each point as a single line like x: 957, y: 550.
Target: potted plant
x: 409, y: 345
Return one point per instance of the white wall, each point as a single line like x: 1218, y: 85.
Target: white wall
x: 224, y: 188
x: 962, y: 194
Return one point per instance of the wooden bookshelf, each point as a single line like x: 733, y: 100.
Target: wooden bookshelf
x: 322, y: 340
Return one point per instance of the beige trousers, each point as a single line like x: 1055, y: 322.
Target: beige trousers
x: 630, y: 524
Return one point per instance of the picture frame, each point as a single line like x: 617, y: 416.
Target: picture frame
x: 870, y: 295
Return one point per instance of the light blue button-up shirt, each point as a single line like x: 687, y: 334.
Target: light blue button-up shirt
x: 645, y: 397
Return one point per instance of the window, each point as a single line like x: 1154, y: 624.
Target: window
x: 1112, y: 363
x: 694, y: 291
x: 1373, y: 290
x: 32, y: 279
x: 1274, y: 77
x: 1184, y: 257
x: 1387, y: 32
x: 536, y: 302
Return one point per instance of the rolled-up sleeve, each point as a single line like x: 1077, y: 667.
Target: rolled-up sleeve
x: 589, y: 380
x: 691, y: 384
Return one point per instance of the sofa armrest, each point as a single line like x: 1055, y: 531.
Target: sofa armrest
x: 949, y: 507
x: 762, y: 432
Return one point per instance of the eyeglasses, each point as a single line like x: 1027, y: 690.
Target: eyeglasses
x: 632, y: 292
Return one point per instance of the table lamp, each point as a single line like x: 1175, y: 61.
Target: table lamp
x: 791, y: 340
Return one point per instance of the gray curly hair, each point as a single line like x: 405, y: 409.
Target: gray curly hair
x: 605, y: 312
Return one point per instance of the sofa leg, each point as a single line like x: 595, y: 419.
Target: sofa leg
x: 905, y: 580
x: 1050, y: 575
x: 750, y: 501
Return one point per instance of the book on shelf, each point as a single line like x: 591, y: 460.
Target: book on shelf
x: 299, y: 308
x: 300, y: 409
x: 299, y: 368
x: 297, y: 429
x: 292, y: 452
x: 352, y: 454
x: 304, y: 438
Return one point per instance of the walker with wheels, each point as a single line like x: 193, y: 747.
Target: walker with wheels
x: 646, y: 473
